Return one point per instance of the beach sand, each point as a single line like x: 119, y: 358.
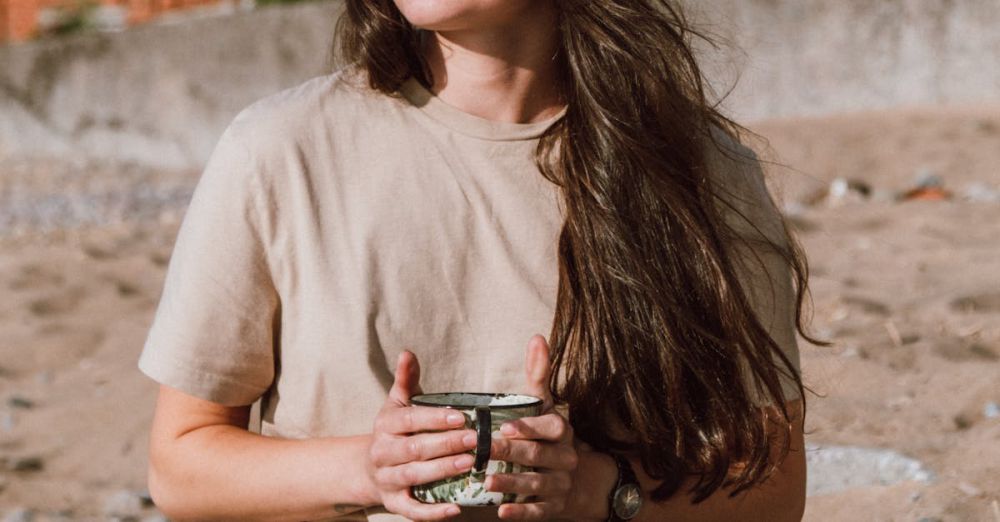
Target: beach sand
x: 909, y: 291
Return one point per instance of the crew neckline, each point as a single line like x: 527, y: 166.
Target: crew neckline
x: 460, y: 121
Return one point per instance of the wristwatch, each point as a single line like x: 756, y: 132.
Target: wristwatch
x: 626, y: 497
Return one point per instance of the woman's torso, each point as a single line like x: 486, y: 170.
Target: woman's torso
x: 394, y: 226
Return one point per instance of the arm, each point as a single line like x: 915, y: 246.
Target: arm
x: 574, y: 482
x: 204, y: 464
x: 781, y: 498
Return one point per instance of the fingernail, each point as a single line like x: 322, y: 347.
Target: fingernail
x: 456, y: 418
x: 469, y: 439
x: 464, y: 461
x: 452, y: 511
x: 507, y: 429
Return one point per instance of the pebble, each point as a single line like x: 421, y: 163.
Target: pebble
x: 969, y: 489
x: 926, y: 177
x: 962, y: 422
x: 19, y: 515
x: 23, y: 464
x: 16, y: 401
x: 146, y: 498
x: 7, y: 422
x: 123, y: 504
x: 991, y: 410
x: 981, y: 193
x: 44, y: 377
x: 832, y: 469
x: 851, y: 351
x: 842, y: 190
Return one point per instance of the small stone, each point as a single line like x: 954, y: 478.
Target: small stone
x: 837, y: 468
x: 926, y: 177
x: 981, y: 193
x: 850, y: 351
x: 25, y: 464
x: 123, y: 504
x: 916, y: 496
x: 929, y: 519
x: 7, y: 421
x: 985, y: 126
x: 991, y: 410
x: 146, y: 498
x: 969, y: 489
x: 44, y: 377
x: 19, y: 515
x: 843, y: 190
x: 16, y: 401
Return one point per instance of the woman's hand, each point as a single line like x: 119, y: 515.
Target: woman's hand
x: 544, y: 442
x: 400, y: 456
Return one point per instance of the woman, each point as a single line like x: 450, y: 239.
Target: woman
x: 481, y: 171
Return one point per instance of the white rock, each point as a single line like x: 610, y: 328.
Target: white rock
x: 969, y: 489
x: 123, y: 504
x: 832, y: 469
x: 981, y: 192
x: 19, y: 515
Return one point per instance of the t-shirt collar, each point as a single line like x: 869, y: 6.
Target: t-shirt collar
x: 469, y: 124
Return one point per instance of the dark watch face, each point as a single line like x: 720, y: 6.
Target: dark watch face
x: 628, y: 500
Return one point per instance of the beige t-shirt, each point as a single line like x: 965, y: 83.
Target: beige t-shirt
x: 333, y: 227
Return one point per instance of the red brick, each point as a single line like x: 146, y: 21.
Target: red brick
x: 19, y: 18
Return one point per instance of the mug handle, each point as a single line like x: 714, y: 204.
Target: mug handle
x: 484, y: 440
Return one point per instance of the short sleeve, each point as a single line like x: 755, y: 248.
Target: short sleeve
x: 757, y: 247
x: 213, y: 332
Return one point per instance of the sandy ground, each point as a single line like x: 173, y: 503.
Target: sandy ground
x: 908, y: 290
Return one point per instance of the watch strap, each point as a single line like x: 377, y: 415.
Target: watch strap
x: 625, y: 477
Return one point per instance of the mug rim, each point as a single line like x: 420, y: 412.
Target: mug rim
x: 416, y: 399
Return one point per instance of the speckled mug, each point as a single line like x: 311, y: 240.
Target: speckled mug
x: 484, y: 412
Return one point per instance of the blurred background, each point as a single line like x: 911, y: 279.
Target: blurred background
x: 880, y: 126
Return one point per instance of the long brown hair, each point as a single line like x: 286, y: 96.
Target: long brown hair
x: 653, y: 330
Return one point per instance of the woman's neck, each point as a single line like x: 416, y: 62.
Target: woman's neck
x: 501, y: 73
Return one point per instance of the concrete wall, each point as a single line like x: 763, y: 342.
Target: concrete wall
x: 157, y: 94
x: 814, y: 57
x: 160, y: 95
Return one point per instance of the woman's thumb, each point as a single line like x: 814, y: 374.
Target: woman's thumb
x: 407, y: 378
x: 537, y: 368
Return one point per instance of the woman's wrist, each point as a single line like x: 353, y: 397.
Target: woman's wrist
x: 365, y: 491
x: 596, y: 476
